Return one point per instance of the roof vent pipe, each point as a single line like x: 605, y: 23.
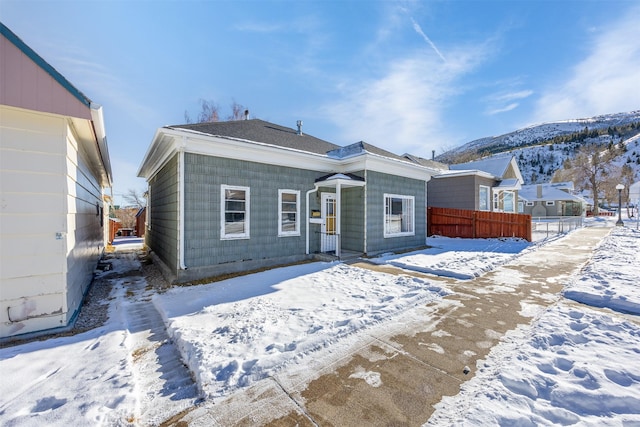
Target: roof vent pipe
x: 246, y: 114
x: 299, y: 123
x: 433, y: 154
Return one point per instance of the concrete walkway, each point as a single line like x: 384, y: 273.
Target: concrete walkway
x: 394, y: 374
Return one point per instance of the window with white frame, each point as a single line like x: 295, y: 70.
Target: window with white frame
x: 484, y: 201
x: 288, y: 213
x: 530, y: 203
x: 520, y: 207
x: 550, y: 202
x: 234, y: 223
x: 399, y: 215
x: 508, y: 201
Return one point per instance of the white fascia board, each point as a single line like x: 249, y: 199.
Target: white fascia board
x: 514, y: 164
x: 376, y: 163
x: 168, y: 141
x: 258, y: 153
x: 163, y: 146
x: 333, y: 183
x: 97, y: 119
x: 449, y: 174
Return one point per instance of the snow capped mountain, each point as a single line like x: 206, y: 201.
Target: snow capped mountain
x: 542, y: 149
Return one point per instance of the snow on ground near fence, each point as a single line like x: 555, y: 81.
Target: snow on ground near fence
x: 574, y: 364
x: 458, y: 258
x: 235, y: 332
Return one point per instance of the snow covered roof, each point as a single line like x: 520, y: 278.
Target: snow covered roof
x: 530, y: 193
x: 496, y: 166
x: 509, y: 184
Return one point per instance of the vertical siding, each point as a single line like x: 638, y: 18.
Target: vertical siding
x: 377, y: 185
x: 203, y: 177
x: 162, y: 235
x: 32, y: 187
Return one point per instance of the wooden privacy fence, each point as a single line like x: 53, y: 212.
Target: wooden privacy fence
x: 477, y: 224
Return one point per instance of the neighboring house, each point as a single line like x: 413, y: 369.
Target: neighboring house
x: 485, y: 185
x: 553, y: 199
x: 54, y: 165
x: 234, y: 196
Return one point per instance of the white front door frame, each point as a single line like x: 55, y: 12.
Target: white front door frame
x: 329, y: 213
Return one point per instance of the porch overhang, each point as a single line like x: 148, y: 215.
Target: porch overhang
x: 340, y: 180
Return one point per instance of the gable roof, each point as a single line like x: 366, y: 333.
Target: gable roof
x: 257, y: 130
x: 496, y: 166
x: 259, y: 141
x: 426, y: 162
x: 44, y: 65
x: 549, y: 192
x: 29, y: 82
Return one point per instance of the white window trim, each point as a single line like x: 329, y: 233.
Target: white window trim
x: 530, y: 203
x: 247, y: 207
x: 550, y: 203
x: 413, y: 215
x: 288, y: 233
x: 488, y: 198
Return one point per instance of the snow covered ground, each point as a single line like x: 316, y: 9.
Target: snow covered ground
x: 458, y: 258
x: 573, y: 364
x: 235, y: 332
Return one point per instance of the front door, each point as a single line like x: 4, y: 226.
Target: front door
x: 328, y: 236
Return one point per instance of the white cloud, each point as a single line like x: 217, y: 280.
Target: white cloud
x: 497, y: 101
x: 606, y: 81
x: 504, y: 109
x: 418, y: 30
x: 511, y: 96
x: 401, y: 110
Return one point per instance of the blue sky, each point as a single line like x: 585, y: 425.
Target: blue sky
x: 407, y: 76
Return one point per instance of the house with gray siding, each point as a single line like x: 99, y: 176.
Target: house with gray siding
x: 551, y: 199
x: 486, y: 185
x: 235, y: 196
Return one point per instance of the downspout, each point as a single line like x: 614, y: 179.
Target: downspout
x: 338, y: 222
x: 365, y: 211
x: 308, y: 218
x: 181, y: 218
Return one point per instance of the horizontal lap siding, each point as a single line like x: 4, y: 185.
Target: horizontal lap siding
x: 203, y: 177
x: 162, y: 235
x: 32, y: 257
x: 85, y: 232
x: 377, y: 185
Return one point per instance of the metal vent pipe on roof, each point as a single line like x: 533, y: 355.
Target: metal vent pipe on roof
x: 299, y: 123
